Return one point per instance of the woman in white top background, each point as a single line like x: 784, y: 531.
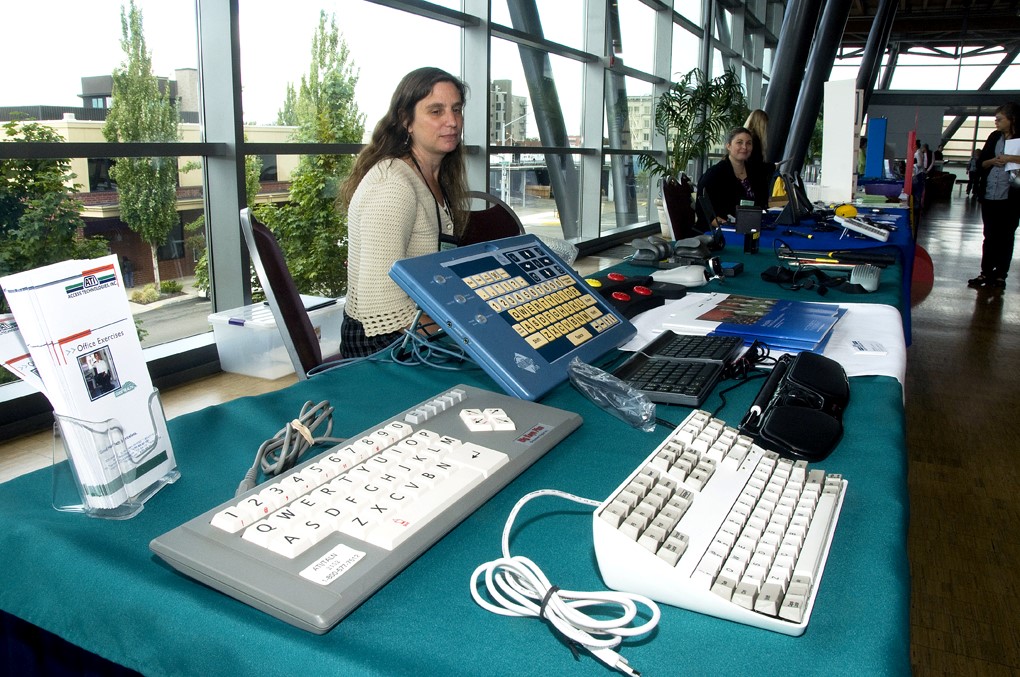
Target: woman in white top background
x: 407, y: 187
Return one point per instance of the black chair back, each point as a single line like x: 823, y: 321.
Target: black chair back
x: 494, y: 222
x: 284, y: 300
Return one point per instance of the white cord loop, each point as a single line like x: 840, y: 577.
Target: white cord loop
x: 516, y: 586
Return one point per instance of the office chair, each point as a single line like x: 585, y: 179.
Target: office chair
x: 284, y: 300
x: 497, y: 220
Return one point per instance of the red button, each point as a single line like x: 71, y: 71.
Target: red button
x: 621, y: 296
x: 643, y: 291
x: 617, y: 277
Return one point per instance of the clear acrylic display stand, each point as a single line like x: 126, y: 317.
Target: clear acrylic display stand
x: 106, y: 439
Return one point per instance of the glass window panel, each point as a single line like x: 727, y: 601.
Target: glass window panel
x: 636, y: 30
x: 718, y: 64
x: 725, y: 30
x: 562, y: 20
x: 690, y: 9
x: 627, y: 197
x: 566, y: 77
x: 266, y: 73
x: 842, y: 71
x: 72, y: 74
x: 1010, y: 79
x: 926, y: 77
x: 636, y: 115
x: 522, y: 180
x: 767, y: 59
x: 686, y: 47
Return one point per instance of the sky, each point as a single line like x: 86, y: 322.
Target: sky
x: 275, y: 48
x: 275, y: 39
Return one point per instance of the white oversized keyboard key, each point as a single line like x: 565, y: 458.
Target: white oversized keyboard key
x: 320, y: 473
x: 231, y: 520
x: 398, y: 429
x: 482, y: 459
x: 475, y: 420
x: 274, y: 496
x: 259, y: 533
x: 396, y: 528
x: 292, y: 543
x: 499, y: 419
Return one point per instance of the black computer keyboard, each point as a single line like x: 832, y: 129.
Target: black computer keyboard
x: 680, y: 368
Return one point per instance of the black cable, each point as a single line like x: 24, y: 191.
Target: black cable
x: 666, y: 424
x: 751, y: 376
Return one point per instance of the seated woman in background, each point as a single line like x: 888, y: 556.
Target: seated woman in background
x: 407, y: 188
x: 731, y: 182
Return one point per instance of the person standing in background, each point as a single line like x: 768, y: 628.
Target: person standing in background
x: 1000, y: 201
x: 758, y: 124
x: 973, y: 173
x: 127, y: 269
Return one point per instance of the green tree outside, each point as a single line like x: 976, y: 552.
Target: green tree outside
x: 40, y: 221
x: 194, y: 232
x: 140, y: 112
x: 312, y: 233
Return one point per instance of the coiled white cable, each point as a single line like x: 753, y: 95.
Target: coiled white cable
x: 516, y: 586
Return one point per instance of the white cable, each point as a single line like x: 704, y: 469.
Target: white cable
x: 516, y: 586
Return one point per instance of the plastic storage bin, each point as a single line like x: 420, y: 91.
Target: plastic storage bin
x: 249, y: 342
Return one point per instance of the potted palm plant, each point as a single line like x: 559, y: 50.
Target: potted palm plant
x: 692, y: 115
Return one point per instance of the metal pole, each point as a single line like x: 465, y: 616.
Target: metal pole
x: 823, y: 53
x: 878, y: 36
x: 791, y: 55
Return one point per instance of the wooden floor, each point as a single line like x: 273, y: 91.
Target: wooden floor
x: 963, y: 423
x: 963, y: 429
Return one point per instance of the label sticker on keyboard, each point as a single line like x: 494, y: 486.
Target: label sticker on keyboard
x: 537, y: 431
x: 332, y: 565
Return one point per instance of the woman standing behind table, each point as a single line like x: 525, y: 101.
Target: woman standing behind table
x: 1000, y: 203
x: 758, y: 124
x: 407, y: 187
x: 731, y: 181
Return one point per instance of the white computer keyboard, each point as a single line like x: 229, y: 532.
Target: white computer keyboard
x: 863, y: 227
x: 310, y: 545
x: 713, y: 523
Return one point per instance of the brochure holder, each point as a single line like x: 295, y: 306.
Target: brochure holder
x: 104, y: 440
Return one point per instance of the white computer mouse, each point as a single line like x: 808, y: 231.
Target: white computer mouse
x: 688, y: 276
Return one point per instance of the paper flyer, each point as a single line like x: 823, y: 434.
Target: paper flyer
x: 14, y: 353
x: 75, y: 321
x: 1012, y: 147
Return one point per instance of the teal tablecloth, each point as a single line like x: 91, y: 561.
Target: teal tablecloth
x: 96, y: 584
